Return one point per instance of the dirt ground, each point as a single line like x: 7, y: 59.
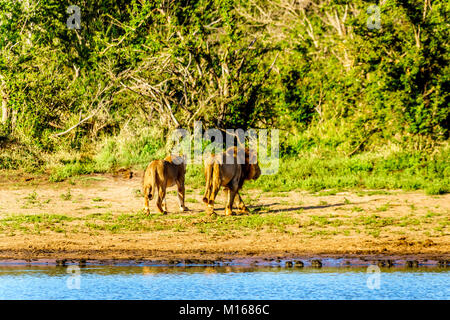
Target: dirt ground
x: 282, y: 224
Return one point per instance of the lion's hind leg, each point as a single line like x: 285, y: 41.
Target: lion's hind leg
x: 242, y: 208
x: 231, y: 193
x: 159, y: 203
x: 181, y: 195
x: 160, y: 199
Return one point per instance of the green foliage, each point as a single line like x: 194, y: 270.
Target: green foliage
x: 399, y: 170
x: 74, y: 168
x: 109, y: 93
x: 128, y: 149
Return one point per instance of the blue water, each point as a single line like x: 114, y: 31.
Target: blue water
x: 131, y: 282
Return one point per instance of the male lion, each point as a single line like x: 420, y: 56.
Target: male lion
x: 161, y: 174
x: 231, y: 174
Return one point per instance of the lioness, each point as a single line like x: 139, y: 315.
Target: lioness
x: 161, y: 174
x: 231, y: 175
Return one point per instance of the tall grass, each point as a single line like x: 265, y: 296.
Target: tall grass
x: 399, y: 170
x: 306, y: 164
x: 131, y: 148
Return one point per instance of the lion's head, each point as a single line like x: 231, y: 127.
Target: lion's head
x: 252, y: 171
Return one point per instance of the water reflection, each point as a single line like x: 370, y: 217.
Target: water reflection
x: 52, y: 270
x: 222, y: 282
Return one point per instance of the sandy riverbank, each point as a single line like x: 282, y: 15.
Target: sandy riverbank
x: 98, y: 217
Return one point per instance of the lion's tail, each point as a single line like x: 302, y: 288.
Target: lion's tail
x: 216, y: 178
x: 151, y: 188
x: 208, y: 185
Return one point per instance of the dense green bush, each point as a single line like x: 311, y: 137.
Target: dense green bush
x: 312, y: 68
